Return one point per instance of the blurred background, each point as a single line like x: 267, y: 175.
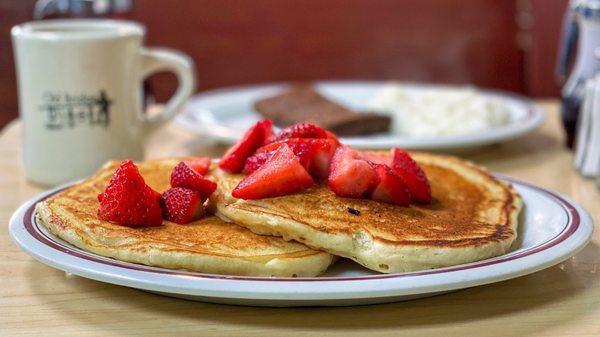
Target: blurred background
x: 499, y: 44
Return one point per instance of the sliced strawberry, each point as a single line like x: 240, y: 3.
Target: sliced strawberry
x: 281, y: 174
x: 183, y: 176
x: 299, y: 130
x: 390, y: 188
x: 376, y: 157
x: 302, y: 148
x: 350, y: 176
x: 260, y: 157
x: 257, y: 160
x: 332, y: 136
x: 322, y: 151
x: 315, y: 154
x: 267, y: 127
x: 413, y: 175
x: 199, y: 164
x: 128, y: 201
x: 234, y: 159
x: 182, y: 205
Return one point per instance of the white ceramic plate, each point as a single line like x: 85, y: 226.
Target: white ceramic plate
x: 225, y: 114
x: 551, y: 229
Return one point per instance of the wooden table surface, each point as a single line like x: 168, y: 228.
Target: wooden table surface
x: 560, y: 301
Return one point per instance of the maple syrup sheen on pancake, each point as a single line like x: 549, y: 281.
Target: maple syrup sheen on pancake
x: 472, y: 216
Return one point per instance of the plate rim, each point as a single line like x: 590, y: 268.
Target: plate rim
x: 535, y: 117
x: 570, y: 244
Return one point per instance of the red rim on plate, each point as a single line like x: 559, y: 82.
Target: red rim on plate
x: 573, y: 222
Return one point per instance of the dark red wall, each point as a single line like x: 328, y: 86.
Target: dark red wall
x: 11, y: 13
x: 490, y: 43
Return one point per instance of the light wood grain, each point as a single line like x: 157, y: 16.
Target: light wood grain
x: 561, y: 301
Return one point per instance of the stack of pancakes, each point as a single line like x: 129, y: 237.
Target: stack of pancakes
x: 473, y: 216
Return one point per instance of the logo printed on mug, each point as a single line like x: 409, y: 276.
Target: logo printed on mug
x: 66, y: 110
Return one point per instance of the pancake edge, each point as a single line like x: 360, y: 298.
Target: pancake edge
x: 275, y: 266
x: 378, y: 255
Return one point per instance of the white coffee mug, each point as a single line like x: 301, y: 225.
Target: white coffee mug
x: 80, y: 94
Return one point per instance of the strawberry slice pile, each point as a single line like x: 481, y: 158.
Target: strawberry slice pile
x: 290, y: 161
x: 275, y: 165
x: 127, y: 199
x: 282, y: 163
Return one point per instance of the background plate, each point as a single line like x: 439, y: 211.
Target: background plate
x: 225, y: 114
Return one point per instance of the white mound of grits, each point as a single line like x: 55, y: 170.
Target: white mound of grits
x: 439, y: 111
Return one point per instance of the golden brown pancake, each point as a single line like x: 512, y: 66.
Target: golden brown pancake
x: 473, y: 216
x: 209, y: 245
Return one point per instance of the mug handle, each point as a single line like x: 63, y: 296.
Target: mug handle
x: 157, y: 59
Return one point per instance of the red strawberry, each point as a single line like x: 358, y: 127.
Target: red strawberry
x: 350, y: 176
x: 257, y: 160
x: 376, y: 157
x: 267, y: 127
x: 260, y: 157
x: 315, y: 154
x: 199, y: 164
x: 182, y: 205
x: 281, y: 174
x: 234, y: 159
x: 183, y: 176
x: 332, y: 136
x: 391, y: 188
x: 301, y: 148
x: 128, y: 201
x: 413, y: 175
x: 299, y: 130
x: 322, y: 151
